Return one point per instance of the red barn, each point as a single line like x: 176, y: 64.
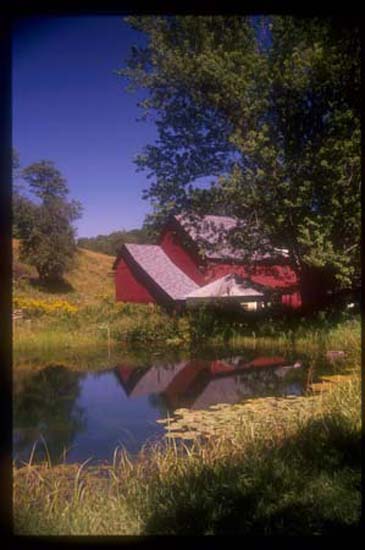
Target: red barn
x: 191, y: 255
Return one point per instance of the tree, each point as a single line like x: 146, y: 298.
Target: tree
x: 24, y: 210
x: 45, y: 181
x: 270, y: 109
x: 15, y: 165
x: 49, y: 242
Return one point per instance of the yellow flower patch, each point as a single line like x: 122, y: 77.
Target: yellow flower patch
x: 37, y: 306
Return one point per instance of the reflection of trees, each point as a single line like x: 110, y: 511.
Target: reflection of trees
x: 265, y: 382
x: 158, y: 401
x: 45, y: 406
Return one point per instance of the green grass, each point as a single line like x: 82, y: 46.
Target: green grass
x: 299, y: 473
x: 109, y: 328
x: 103, y: 329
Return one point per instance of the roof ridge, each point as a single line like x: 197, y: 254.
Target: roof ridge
x: 159, y: 267
x: 141, y: 244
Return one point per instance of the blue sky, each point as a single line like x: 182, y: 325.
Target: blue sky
x: 70, y: 108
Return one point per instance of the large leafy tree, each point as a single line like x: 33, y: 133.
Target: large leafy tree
x: 49, y: 241
x: 269, y: 108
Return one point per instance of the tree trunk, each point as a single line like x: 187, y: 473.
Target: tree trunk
x: 314, y: 286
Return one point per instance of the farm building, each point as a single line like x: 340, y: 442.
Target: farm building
x: 193, y: 263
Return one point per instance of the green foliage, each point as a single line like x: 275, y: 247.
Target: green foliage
x: 50, y: 244
x: 46, y: 230
x: 275, y: 122
x: 110, y: 244
x: 24, y: 210
x: 24, y: 214
x: 45, y: 181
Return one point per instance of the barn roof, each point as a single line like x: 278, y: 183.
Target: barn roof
x: 156, y: 379
x: 202, y: 226
x: 226, y: 390
x: 212, y: 234
x: 143, y: 381
x: 229, y: 286
x: 158, y: 266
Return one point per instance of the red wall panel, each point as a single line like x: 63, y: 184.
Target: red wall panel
x: 293, y: 300
x: 172, y: 246
x: 271, y: 276
x: 128, y: 288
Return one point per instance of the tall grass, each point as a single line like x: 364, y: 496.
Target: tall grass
x: 94, y: 325
x: 294, y: 472
x: 138, y: 326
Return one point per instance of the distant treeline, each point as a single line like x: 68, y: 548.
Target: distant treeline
x: 110, y: 244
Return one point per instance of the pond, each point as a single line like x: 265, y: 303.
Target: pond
x: 76, y: 415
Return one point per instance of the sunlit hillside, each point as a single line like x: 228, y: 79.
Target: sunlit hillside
x: 89, y: 279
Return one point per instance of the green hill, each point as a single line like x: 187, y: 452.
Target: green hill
x: 86, y: 282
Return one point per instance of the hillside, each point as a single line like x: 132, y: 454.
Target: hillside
x: 110, y: 244
x: 88, y: 280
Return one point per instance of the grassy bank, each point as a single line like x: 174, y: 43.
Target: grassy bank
x: 103, y: 329
x: 295, y: 470
x: 58, y: 334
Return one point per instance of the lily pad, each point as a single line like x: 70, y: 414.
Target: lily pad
x: 181, y: 435
x: 179, y: 412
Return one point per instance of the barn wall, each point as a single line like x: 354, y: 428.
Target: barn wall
x: 217, y: 270
x: 128, y: 288
x: 186, y: 379
x: 271, y: 276
x: 293, y: 300
x: 172, y: 246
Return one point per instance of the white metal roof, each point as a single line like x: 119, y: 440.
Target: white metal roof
x: 158, y: 266
x: 230, y: 285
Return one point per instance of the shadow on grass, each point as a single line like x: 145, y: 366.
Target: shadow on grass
x: 309, y: 485
x: 31, y: 522
x: 55, y: 287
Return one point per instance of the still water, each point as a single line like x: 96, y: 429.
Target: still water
x: 89, y: 414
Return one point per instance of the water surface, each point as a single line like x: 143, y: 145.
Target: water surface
x: 89, y: 414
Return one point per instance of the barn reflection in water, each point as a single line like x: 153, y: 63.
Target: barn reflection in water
x: 198, y: 383
x: 89, y: 414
